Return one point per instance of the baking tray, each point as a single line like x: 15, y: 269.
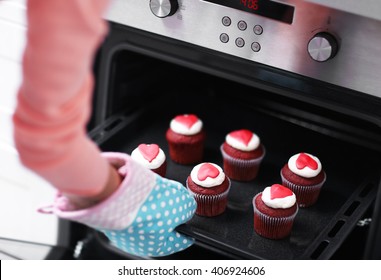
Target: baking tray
x: 318, y: 230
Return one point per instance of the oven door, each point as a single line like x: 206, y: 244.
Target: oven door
x: 143, y: 80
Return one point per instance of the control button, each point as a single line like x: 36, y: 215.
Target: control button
x: 242, y: 25
x: 258, y: 30
x: 256, y: 47
x: 224, y: 38
x: 163, y: 8
x: 226, y: 21
x: 322, y: 47
x: 239, y: 42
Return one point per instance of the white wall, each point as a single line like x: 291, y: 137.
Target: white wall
x: 21, y: 191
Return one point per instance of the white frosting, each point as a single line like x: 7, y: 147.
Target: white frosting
x: 251, y: 146
x: 155, y: 163
x: 306, y: 172
x: 183, y: 129
x: 208, y: 182
x: 283, y: 203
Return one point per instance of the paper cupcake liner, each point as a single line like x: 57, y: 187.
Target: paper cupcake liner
x: 240, y: 169
x: 272, y: 227
x: 211, y: 205
x: 305, y: 195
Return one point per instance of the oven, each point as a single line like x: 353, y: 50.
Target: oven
x: 303, y: 76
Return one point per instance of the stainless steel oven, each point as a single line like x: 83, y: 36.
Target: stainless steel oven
x: 304, y: 76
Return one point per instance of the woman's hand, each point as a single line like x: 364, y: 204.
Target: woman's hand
x: 140, y: 217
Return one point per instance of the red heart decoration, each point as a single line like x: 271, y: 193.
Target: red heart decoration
x: 279, y: 191
x: 207, y: 170
x: 149, y: 151
x: 187, y: 120
x: 243, y: 135
x: 304, y: 160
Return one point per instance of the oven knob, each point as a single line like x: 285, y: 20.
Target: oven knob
x: 163, y: 8
x: 322, y: 47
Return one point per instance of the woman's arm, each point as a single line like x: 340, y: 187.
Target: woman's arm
x: 54, y: 100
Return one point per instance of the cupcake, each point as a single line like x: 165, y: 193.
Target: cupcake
x: 304, y: 175
x: 210, y: 187
x: 274, y: 212
x: 152, y: 157
x: 242, y: 154
x: 186, y: 139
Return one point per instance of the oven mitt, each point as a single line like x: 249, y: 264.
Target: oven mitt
x: 141, y: 216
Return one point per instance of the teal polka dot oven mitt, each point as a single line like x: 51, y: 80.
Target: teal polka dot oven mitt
x: 152, y: 231
x: 141, y: 217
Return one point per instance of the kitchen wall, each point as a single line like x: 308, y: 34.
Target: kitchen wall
x: 24, y: 233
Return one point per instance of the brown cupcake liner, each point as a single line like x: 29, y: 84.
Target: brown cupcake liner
x: 306, y: 196
x: 210, y: 205
x: 272, y: 227
x: 240, y: 169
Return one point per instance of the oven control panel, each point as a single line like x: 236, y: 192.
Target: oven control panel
x: 294, y: 35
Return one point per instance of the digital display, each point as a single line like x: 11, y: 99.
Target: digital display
x: 266, y: 8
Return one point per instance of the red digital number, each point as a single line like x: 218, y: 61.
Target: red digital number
x: 253, y: 4
x: 250, y: 4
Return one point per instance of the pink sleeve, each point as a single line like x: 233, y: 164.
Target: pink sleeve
x: 54, y: 100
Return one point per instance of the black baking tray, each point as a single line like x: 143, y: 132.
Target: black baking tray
x: 318, y: 230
